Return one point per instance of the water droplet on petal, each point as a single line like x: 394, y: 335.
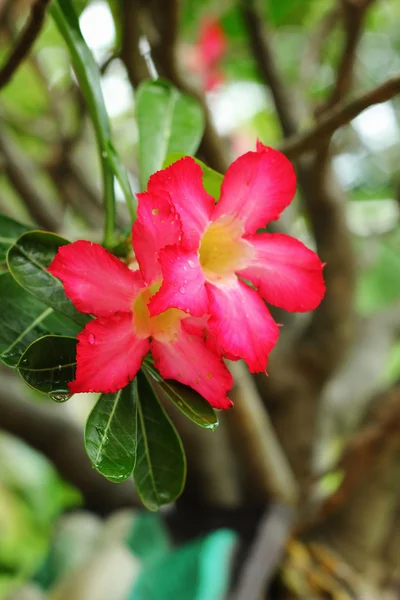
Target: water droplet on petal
x: 91, y: 338
x: 191, y: 264
x: 182, y: 290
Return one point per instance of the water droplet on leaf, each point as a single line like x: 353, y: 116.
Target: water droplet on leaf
x: 59, y: 396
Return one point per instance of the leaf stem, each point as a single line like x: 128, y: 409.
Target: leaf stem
x: 88, y: 76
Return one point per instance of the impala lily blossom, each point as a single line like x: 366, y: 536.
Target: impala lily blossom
x: 219, y: 250
x: 112, y: 347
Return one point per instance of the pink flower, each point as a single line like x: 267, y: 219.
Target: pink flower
x: 112, y: 347
x: 208, y: 271
x: 207, y: 53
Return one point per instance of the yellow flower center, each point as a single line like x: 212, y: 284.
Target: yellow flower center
x: 223, y: 251
x: 163, y: 327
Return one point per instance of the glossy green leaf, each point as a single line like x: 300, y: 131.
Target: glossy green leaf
x: 160, y: 469
x: 189, y: 402
x: 88, y: 75
x: 212, y: 180
x: 24, y: 319
x: 111, y: 433
x: 48, y: 365
x: 10, y: 231
x: 28, y: 259
x: 168, y: 121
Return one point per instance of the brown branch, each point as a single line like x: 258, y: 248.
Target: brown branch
x: 336, y: 117
x: 254, y: 435
x: 353, y: 12
x: 312, y: 56
x: 370, y: 487
x: 47, y: 429
x: 382, y: 428
x: 21, y: 175
x: 265, y: 61
x: 25, y: 42
x: 158, y: 20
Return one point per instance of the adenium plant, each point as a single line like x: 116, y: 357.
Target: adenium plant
x: 77, y: 318
x: 204, y: 271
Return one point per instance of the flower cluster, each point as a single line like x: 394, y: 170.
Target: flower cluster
x: 204, y: 273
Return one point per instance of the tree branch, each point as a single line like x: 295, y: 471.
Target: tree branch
x: 265, y: 62
x: 312, y: 56
x: 19, y: 172
x: 370, y: 466
x: 254, y: 435
x: 353, y: 12
x: 25, y: 42
x: 338, y: 116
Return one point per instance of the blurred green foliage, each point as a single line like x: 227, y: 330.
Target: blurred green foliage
x: 32, y: 496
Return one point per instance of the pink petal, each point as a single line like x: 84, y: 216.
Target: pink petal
x: 212, y: 41
x: 213, y: 79
x: 108, y: 355
x: 199, y: 327
x: 183, y: 284
x: 242, y: 324
x: 257, y: 187
x: 286, y: 273
x: 191, y: 362
x: 97, y: 282
x: 157, y: 225
x: 183, y: 182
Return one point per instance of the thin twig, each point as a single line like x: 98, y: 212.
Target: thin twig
x: 265, y: 553
x: 22, y: 175
x: 338, y: 116
x: 312, y: 56
x: 258, y: 441
x: 265, y: 61
x: 353, y: 19
x: 25, y: 42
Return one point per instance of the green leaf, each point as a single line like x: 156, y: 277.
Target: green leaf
x: 160, y: 470
x: 88, y: 75
x: 189, y: 402
x: 168, y: 121
x: 111, y: 433
x: 212, y: 180
x: 23, y: 319
x: 10, y: 231
x: 48, y: 365
x: 28, y: 259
